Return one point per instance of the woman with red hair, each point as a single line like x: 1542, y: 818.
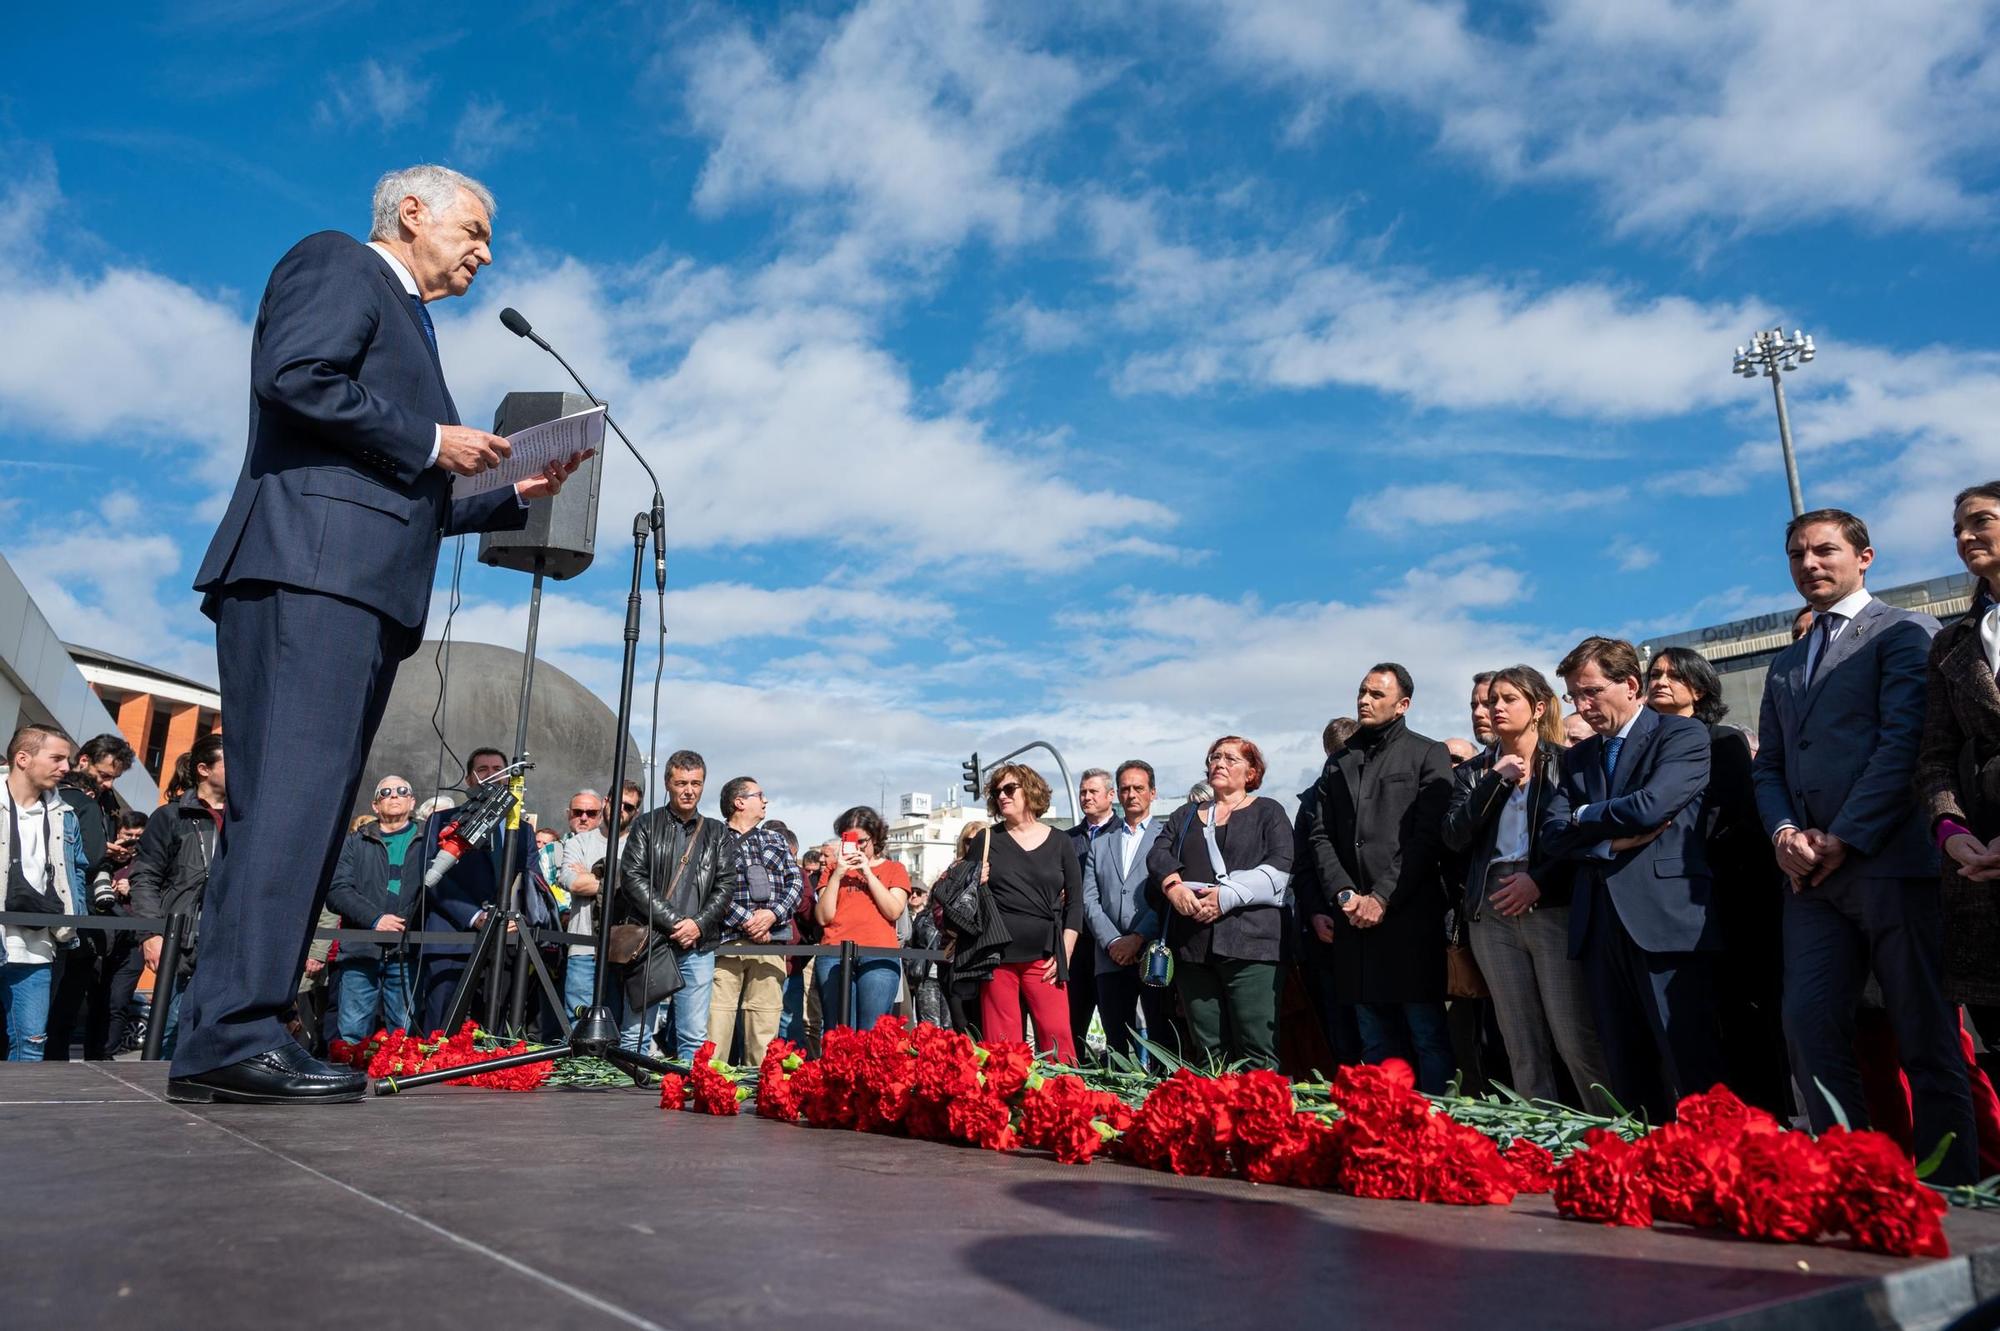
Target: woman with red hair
x: 1224, y: 867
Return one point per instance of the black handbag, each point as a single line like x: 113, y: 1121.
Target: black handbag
x: 654, y: 973
x: 979, y: 934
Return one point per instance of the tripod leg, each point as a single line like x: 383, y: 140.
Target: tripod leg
x: 550, y: 995
x: 461, y: 999
x: 391, y: 1085
x: 635, y: 1064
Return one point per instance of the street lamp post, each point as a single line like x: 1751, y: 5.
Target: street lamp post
x: 1771, y: 353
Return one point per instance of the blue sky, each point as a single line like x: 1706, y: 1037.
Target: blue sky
x: 1119, y: 375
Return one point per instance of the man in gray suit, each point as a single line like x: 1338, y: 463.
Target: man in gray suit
x: 1121, y: 918
x: 1837, y: 745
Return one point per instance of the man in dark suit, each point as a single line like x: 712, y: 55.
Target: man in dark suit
x: 1627, y: 811
x: 318, y: 580
x: 1093, y: 798
x: 1838, y: 735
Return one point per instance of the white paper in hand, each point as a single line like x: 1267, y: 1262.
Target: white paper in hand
x: 535, y: 448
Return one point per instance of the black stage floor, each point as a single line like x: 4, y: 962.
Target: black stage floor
x: 452, y: 1207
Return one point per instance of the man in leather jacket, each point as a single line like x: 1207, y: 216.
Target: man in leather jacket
x: 678, y: 876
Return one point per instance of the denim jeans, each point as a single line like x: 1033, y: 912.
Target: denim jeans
x: 875, y: 985
x: 690, y: 1011
x: 365, y: 985
x: 1413, y: 1032
x: 25, y: 987
x: 579, y: 977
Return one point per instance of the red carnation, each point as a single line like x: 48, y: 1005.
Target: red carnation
x: 777, y: 1097
x: 673, y: 1090
x: 1605, y: 1182
x: 1782, y: 1188
x: 1877, y: 1197
x: 1061, y: 1115
x: 1691, y: 1170
x: 1004, y: 1067
x: 984, y: 1120
x: 713, y: 1092
x: 1534, y: 1168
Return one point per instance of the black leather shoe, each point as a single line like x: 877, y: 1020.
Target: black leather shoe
x: 283, y: 1076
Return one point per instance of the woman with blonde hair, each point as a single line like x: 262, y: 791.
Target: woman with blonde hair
x: 1516, y: 903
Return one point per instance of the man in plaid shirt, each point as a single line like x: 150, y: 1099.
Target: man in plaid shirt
x: 768, y: 884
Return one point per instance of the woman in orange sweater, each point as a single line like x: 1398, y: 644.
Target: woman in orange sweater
x: 861, y: 896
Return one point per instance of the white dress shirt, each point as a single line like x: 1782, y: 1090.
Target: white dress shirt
x: 1129, y: 840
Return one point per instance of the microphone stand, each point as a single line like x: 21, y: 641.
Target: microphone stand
x: 594, y: 1034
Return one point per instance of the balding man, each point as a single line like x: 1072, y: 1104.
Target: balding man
x: 318, y: 581
x: 374, y: 885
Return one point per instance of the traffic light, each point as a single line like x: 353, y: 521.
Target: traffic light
x: 971, y: 770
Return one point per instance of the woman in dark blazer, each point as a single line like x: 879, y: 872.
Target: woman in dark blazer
x: 1516, y: 903
x: 1229, y: 924
x: 1958, y: 766
x: 1748, y: 903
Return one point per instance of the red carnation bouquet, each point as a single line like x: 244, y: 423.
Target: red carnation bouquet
x: 391, y: 1054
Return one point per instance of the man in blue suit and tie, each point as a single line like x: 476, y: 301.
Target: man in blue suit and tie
x: 1838, y: 733
x: 318, y: 580
x: 1627, y: 811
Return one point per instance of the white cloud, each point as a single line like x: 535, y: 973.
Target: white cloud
x: 917, y: 114
x: 1289, y: 318
x: 1449, y: 504
x: 487, y: 130
x: 1631, y: 556
x: 387, y: 94
x: 1753, y: 115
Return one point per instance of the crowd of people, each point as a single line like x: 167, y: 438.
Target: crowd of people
x: 1614, y: 906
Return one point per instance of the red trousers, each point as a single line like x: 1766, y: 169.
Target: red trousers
x: 1001, y: 999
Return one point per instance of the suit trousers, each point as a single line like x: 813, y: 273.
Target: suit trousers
x: 1655, y: 1012
x: 307, y: 677
x: 1834, y: 934
x: 755, y: 986
x: 1121, y: 997
x: 1542, y: 1001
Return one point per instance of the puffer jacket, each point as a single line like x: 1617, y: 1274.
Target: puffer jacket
x: 651, y: 892
x: 170, y: 869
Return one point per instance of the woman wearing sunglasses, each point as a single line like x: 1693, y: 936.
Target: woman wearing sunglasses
x: 1036, y: 884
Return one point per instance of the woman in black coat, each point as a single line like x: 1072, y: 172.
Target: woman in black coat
x: 1516, y: 902
x: 1749, y: 894
x: 1229, y: 923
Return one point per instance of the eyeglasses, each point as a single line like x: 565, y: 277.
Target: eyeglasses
x: 1008, y: 791
x: 585, y: 813
x: 1586, y: 695
x: 629, y: 808
x: 1226, y: 759
x: 391, y: 792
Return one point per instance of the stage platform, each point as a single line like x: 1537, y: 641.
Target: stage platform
x: 452, y: 1207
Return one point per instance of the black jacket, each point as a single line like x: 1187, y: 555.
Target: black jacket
x: 1259, y: 833
x: 647, y: 880
x: 1473, y: 819
x: 360, y: 887
x: 1382, y: 801
x: 170, y: 868
x: 94, y: 821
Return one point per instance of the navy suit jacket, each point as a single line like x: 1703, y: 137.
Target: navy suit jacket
x: 474, y: 883
x: 1841, y: 756
x: 1662, y: 889
x: 336, y: 495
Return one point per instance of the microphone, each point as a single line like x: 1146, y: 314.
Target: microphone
x: 476, y: 821
x: 517, y: 324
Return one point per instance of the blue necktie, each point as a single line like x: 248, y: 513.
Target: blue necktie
x: 1611, y: 747
x: 430, y: 329
x: 1822, y: 629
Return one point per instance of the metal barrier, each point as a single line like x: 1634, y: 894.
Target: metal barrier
x: 172, y: 929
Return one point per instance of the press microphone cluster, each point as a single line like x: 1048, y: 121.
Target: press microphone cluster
x: 517, y: 324
x: 472, y: 824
